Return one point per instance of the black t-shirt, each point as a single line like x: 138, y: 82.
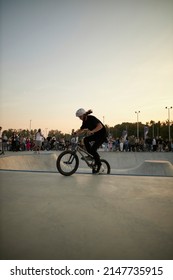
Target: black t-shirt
x: 91, y: 122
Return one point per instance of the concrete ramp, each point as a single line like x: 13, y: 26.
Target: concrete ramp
x: 31, y: 162
x: 46, y: 162
x: 149, y: 168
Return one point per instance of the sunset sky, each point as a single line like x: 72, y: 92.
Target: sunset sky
x: 112, y: 56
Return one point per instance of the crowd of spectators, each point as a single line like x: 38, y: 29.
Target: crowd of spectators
x: 134, y: 144
x: 17, y: 143
x: 129, y: 144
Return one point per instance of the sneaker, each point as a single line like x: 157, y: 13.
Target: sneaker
x: 86, y: 158
x: 97, y: 170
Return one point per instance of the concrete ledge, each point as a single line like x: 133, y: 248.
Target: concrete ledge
x: 30, y: 162
x: 149, y: 168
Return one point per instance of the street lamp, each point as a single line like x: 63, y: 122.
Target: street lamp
x: 46, y: 131
x: 168, y: 108
x: 137, y: 112
x: 153, y: 128
x: 30, y: 125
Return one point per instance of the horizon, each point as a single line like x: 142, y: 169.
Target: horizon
x: 63, y: 130
x: 46, y: 131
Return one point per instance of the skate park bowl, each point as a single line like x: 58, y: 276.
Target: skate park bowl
x: 133, y: 163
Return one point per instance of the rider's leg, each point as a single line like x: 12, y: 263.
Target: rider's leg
x: 93, y: 149
x: 87, y: 141
x: 95, y: 154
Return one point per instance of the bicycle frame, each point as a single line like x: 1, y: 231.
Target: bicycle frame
x: 83, y: 152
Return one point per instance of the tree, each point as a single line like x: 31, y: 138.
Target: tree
x: 155, y: 129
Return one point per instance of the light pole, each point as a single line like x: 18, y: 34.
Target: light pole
x: 103, y: 119
x: 46, y: 131
x: 168, y: 108
x: 137, y: 112
x: 30, y: 125
x: 153, y: 129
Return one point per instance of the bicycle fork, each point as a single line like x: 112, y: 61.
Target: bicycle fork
x: 70, y: 160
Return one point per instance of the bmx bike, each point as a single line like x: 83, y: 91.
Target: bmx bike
x: 67, y: 162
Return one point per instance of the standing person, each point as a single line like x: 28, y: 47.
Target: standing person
x: 74, y: 140
x: 38, y: 140
x: 14, y: 143
x: 4, y: 142
x: 0, y: 138
x: 28, y: 144
x: 154, y: 144
x: 97, y: 134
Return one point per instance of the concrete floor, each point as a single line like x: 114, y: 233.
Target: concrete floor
x: 47, y: 216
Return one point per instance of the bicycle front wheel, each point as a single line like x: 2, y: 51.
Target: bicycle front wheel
x: 67, y: 163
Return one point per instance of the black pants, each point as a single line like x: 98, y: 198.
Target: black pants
x: 98, y: 138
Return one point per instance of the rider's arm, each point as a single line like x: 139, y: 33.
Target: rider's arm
x: 80, y: 131
x: 97, y: 128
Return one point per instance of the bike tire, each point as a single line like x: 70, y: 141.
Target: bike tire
x: 106, y: 167
x: 67, y: 163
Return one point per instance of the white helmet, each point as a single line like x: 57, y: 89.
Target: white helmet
x: 80, y: 112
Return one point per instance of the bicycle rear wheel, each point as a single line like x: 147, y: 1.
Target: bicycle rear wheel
x: 105, y: 167
x: 67, y: 163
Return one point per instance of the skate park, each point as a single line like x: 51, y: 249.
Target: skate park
x: 124, y: 215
